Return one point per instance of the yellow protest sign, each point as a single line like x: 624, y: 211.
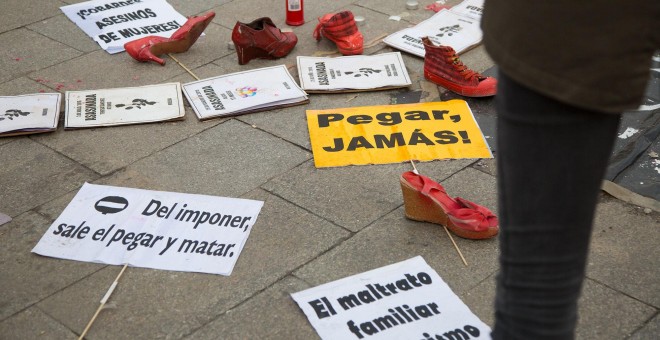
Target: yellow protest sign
x: 395, y: 133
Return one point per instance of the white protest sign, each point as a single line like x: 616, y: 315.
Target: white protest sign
x: 152, y: 229
x: 443, y: 28
x: 244, y: 92
x: 405, y: 300
x: 358, y: 72
x: 113, y: 23
x: 471, y: 8
x: 121, y: 106
x: 30, y: 113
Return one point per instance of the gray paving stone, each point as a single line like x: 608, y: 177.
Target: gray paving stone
x: 291, y: 123
x: 603, y: 313
x: 33, y: 174
x: 9, y: 9
x: 109, y: 149
x: 208, y: 48
x: 155, y: 303
x: 393, y: 239
x: 352, y: 196
x: 650, y: 330
x: 29, y: 278
x: 607, y: 314
x: 624, y: 250
x: 229, y: 159
x: 33, y: 324
x: 188, y: 8
x: 60, y: 28
x: 399, y: 8
x: 488, y: 166
x: 24, y: 51
x: 21, y: 86
x: 272, y: 314
x: 100, y: 70
x: 481, y: 299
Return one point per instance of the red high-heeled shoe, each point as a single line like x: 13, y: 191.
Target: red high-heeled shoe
x: 261, y: 39
x: 149, y: 48
x: 426, y: 200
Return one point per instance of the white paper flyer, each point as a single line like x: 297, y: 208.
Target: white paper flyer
x: 122, y: 106
x: 244, y: 92
x: 113, y: 23
x: 359, y: 72
x: 444, y: 28
x: 151, y: 229
x: 470, y: 8
x: 30, y: 113
x: 405, y: 300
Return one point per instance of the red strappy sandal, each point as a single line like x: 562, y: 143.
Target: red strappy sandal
x: 426, y: 200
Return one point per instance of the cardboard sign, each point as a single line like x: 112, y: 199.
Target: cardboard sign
x: 30, y: 113
x: 244, y: 92
x: 446, y: 27
x: 395, y: 133
x: 470, y: 8
x: 113, y: 23
x: 405, y: 300
x: 152, y: 229
x: 352, y: 73
x: 122, y: 106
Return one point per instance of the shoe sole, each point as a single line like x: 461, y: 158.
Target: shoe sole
x: 453, y: 88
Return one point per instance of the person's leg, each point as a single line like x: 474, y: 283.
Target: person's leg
x: 551, y: 158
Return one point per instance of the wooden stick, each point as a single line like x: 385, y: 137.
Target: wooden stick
x: 456, y: 246
x: 103, y: 301
x: 414, y: 167
x: 447, y: 230
x: 182, y: 65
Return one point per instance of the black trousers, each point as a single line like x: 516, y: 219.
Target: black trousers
x: 551, y: 158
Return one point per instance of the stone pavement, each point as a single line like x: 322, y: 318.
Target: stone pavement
x: 317, y: 225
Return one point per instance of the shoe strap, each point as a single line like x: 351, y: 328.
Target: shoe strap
x: 317, y: 31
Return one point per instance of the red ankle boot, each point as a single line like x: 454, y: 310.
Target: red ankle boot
x: 149, y: 48
x: 261, y: 39
x: 442, y: 67
x: 342, y: 30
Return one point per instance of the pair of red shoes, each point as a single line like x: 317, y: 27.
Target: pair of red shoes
x: 261, y: 39
x: 426, y: 200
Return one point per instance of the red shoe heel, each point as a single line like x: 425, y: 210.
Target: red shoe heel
x: 426, y: 200
x: 149, y: 48
x: 141, y: 49
x: 261, y: 39
x: 245, y: 54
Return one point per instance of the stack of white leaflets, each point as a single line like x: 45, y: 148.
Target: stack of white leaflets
x: 30, y: 113
x: 353, y: 73
x: 457, y: 27
x: 244, y: 92
x: 122, y: 106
